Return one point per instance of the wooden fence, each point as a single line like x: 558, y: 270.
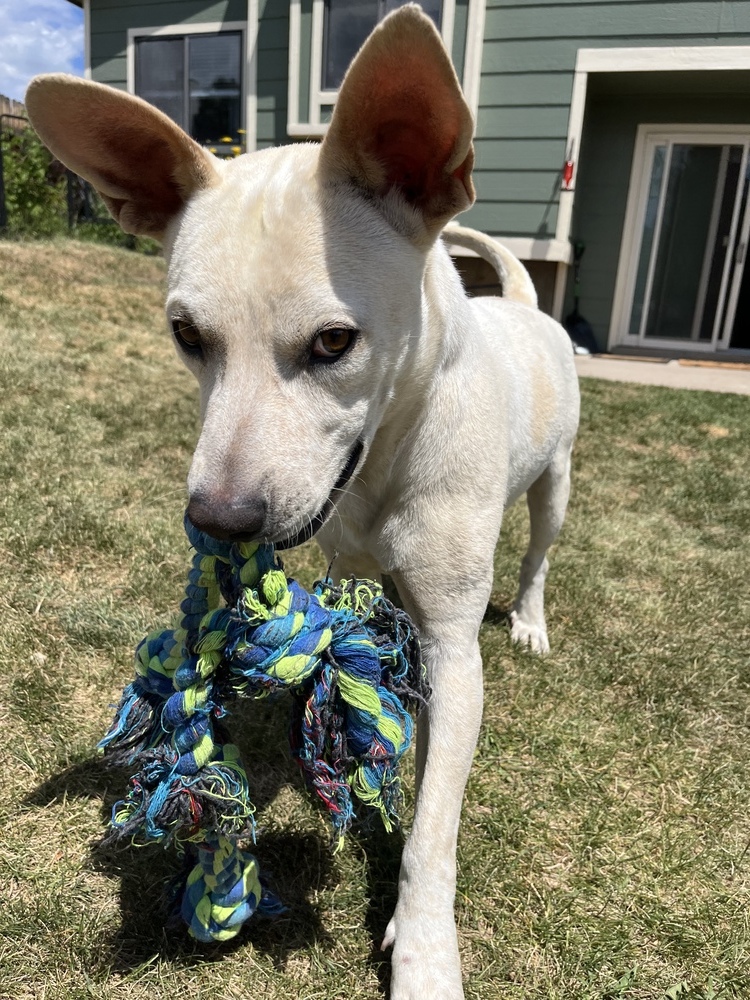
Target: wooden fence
x: 10, y: 107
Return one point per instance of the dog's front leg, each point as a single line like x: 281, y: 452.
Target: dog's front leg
x: 426, y: 964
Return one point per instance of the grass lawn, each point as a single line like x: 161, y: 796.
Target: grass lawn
x: 604, y: 848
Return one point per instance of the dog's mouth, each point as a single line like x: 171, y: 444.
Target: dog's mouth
x: 317, y: 522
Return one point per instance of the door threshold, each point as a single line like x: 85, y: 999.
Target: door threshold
x: 738, y: 365
x: 635, y: 357
x: 712, y: 359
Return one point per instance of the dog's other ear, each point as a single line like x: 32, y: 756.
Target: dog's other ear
x: 143, y: 165
x: 401, y: 122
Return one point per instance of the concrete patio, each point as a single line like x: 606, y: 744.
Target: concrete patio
x: 676, y: 374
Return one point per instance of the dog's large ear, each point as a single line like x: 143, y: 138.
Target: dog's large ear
x: 401, y: 122
x: 143, y: 165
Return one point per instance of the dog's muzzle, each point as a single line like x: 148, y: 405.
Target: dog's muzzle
x: 317, y: 522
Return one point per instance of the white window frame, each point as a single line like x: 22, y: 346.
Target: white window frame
x: 319, y: 98
x: 86, y: 39
x: 248, y: 101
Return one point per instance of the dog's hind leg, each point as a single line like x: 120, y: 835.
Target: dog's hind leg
x: 547, y: 500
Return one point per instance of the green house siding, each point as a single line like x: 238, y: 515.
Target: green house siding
x: 273, y: 70
x: 528, y: 63
x: 529, y: 52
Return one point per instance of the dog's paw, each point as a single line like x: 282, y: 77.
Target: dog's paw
x: 533, y: 637
x: 425, y: 964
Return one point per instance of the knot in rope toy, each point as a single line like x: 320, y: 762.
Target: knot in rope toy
x: 351, y: 661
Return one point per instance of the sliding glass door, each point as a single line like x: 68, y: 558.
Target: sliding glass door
x: 686, y: 234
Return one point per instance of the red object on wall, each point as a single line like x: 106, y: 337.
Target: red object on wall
x: 567, y: 174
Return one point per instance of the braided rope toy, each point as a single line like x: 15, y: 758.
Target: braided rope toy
x: 351, y: 660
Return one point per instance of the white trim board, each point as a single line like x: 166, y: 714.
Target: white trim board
x: 472, y: 75
x: 251, y: 72
x: 319, y: 98
x: 663, y: 59
x: 249, y: 30
x: 87, y: 39
x: 525, y: 248
x: 675, y: 58
x: 293, y: 76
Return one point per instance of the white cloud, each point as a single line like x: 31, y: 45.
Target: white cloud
x: 38, y: 36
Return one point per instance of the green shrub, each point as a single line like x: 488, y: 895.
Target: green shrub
x: 36, y: 197
x: 35, y: 194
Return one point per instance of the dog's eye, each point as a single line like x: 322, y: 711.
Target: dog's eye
x: 331, y: 344
x: 187, y: 336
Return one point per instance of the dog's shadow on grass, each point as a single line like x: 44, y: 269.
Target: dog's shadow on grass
x: 296, y: 864
x: 498, y: 613
x: 382, y: 854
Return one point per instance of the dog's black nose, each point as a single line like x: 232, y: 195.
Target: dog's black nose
x: 236, y: 520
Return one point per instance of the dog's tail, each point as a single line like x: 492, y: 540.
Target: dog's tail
x: 514, y: 278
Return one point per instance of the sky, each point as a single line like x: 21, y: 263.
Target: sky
x: 38, y: 36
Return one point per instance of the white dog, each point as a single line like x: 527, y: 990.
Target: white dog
x: 350, y: 388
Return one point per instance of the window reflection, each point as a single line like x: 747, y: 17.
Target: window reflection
x: 195, y: 79
x: 348, y: 23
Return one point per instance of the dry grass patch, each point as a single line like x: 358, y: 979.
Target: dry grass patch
x: 604, y: 851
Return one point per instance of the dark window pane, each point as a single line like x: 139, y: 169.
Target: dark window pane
x: 433, y: 8
x: 160, y: 76
x: 729, y: 180
x: 215, y: 85
x: 347, y: 24
x: 686, y: 217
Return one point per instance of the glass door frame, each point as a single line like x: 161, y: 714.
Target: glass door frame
x: 649, y: 137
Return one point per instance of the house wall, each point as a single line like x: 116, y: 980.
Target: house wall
x: 528, y: 63
x: 602, y: 187
x: 111, y: 19
x: 273, y: 69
